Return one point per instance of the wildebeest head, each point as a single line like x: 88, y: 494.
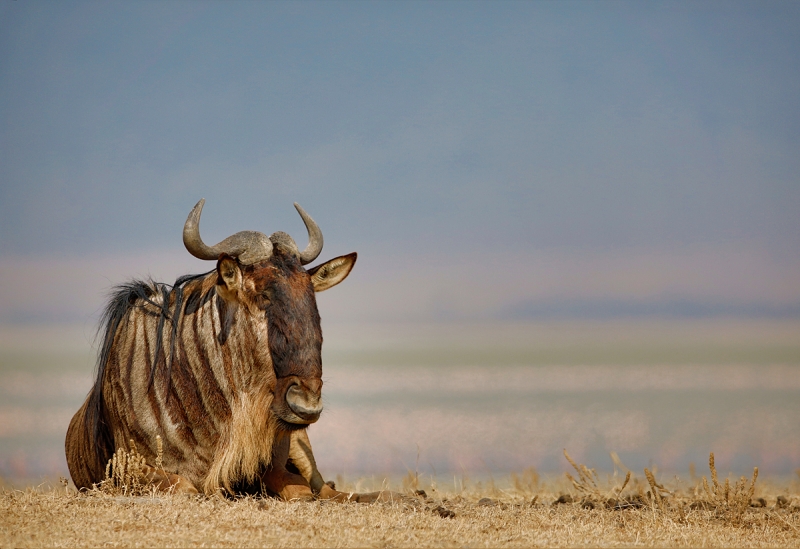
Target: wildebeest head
x: 263, y: 280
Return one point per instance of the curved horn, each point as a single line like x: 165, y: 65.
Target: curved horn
x: 314, y: 237
x: 248, y: 246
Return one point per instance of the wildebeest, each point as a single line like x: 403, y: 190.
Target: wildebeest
x: 224, y: 366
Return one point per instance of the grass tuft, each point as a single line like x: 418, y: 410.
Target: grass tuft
x: 727, y: 501
x: 127, y: 473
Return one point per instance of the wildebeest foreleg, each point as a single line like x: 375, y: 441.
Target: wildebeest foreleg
x: 167, y: 482
x: 281, y: 482
x: 384, y: 496
x: 302, y: 457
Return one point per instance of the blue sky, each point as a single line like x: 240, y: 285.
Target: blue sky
x: 492, y: 137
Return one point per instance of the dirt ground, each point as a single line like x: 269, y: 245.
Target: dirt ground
x: 47, y: 517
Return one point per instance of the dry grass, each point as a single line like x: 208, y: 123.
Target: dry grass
x: 125, y: 473
x: 581, y: 511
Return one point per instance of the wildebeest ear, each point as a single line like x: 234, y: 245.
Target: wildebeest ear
x: 229, y: 272
x: 330, y: 273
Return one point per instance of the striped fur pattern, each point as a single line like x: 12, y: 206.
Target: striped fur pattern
x: 205, y: 364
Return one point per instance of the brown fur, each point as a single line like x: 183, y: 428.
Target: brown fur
x: 206, y: 366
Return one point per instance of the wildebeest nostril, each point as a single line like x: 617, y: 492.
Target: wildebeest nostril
x: 306, y: 404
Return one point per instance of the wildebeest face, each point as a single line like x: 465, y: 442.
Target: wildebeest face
x: 283, y: 292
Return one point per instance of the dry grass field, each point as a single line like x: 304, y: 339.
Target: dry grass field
x: 580, y: 509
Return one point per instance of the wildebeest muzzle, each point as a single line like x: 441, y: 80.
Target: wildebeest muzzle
x: 303, y: 399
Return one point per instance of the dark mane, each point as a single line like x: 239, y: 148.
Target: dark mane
x: 123, y: 298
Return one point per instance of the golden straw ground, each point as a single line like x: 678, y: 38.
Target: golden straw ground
x: 619, y: 512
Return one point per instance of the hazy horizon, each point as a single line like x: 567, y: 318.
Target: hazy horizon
x: 481, y: 399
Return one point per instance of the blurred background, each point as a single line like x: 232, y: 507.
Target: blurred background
x: 577, y: 222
